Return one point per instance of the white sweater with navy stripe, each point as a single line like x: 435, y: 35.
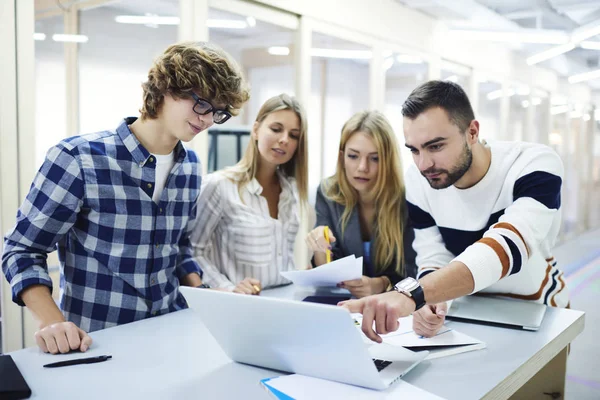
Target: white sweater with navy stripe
x: 503, y: 228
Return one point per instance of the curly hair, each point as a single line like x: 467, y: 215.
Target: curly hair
x: 194, y: 66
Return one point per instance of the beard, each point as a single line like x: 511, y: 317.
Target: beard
x: 448, y: 178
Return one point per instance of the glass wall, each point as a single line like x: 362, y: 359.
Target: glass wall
x: 50, y: 86
x: 340, y: 88
x: 114, y: 61
x: 488, y: 109
x: 405, y: 72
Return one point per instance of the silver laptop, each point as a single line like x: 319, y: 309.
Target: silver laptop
x: 517, y: 314
x: 305, y: 338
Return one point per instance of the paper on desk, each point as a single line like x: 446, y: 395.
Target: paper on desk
x: 447, y: 339
x: 330, y: 274
x: 301, y: 387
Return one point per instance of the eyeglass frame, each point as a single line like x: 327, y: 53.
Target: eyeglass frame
x: 215, y: 111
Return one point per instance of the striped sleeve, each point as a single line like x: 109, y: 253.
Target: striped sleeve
x: 507, y: 245
x: 209, y: 213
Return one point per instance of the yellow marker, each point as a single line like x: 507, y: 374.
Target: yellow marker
x: 327, y: 252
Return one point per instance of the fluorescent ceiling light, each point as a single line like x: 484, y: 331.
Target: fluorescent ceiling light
x: 337, y: 53
x: 553, y: 52
x: 226, y: 23
x: 555, y: 138
x: 576, y: 114
x: 59, y: 37
x: 160, y: 20
x: 559, y: 109
x: 39, y: 36
x: 409, y: 59
x: 496, y: 94
x: 147, y: 20
x: 586, y: 32
x: 525, y: 103
x: 387, y: 63
x: 520, y: 36
x: 589, y: 45
x: 586, y: 117
x: 597, y: 115
x: 279, y: 50
x: 251, y: 21
x: 586, y: 76
x: 536, y: 101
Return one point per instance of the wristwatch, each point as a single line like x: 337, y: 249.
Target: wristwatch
x: 412, y: 288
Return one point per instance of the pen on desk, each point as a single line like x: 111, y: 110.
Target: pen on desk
x: 328, y: 252
x: 76, y: 361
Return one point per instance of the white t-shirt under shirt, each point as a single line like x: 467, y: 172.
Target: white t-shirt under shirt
x: 164, y: 165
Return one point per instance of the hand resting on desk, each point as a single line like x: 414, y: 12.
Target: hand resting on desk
x: 62, y: 337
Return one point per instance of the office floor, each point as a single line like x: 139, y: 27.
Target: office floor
x: 580, y: 261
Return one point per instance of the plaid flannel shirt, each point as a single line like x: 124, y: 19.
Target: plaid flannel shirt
x: 121, y: 254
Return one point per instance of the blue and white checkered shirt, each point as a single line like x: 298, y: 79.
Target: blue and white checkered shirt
x: 121, y: 253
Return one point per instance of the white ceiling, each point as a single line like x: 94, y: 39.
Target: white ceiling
x: 511, y: 15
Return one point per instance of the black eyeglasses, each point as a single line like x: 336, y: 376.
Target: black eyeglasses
x: 203, y: 107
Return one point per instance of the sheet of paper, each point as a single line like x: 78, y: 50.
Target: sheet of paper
x: 330, y: 274
x: 302, y: 387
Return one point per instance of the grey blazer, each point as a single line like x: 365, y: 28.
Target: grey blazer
x: 330, y: 213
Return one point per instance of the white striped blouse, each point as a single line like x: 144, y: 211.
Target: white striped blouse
x: 235, y: 237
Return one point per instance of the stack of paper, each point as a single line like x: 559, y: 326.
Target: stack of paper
x: 301, y: 387
x: 446, y: 342
x: 330, y: 274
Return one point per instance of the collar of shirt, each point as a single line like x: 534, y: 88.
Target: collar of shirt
x: 138, y: 152
x: 287, y: 188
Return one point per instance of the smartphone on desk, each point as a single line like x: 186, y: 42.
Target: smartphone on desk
x: 12, y: 383
x: 327, y: 299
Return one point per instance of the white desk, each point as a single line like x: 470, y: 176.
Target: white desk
x: 175, y: 357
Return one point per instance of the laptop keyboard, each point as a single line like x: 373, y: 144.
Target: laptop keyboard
x: 381, y: 364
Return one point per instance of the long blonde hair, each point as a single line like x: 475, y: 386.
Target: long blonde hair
x: 297, y: 167
x: 388, y: 192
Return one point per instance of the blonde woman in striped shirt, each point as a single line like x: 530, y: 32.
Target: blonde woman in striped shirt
x: 248, y: 214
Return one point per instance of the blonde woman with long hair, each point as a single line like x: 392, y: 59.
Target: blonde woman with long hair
x: 363, y: 206
x: 249, y: 214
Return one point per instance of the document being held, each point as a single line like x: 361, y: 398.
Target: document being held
x: 329, y: 274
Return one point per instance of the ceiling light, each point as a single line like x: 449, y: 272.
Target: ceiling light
x: 39, y: 36
x: 154, y: 20
x: 597, y: 115
x: 337, y: 53
x: 553, y: 52
x: 59, y: 37
x: 523, y: 91
x: 555, y: 138
x: 251, y: 21
x: 409, y: 59
x: 586, y: 32
x: 496, y: 94
x: 589, y: 45
x: 586, y: 76
x: 525, y: 103
x: 576, y: 114
x: 536, y: 101
x: 586, y: 117
x: 279, y: 50
x: 146, y: 20
x: 559, y: 109
x: 387, y: 63
x: 519, y: 36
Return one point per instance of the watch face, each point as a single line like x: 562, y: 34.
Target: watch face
x: 408, y: 284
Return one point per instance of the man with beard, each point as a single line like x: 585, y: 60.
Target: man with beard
x: 486, y: 216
